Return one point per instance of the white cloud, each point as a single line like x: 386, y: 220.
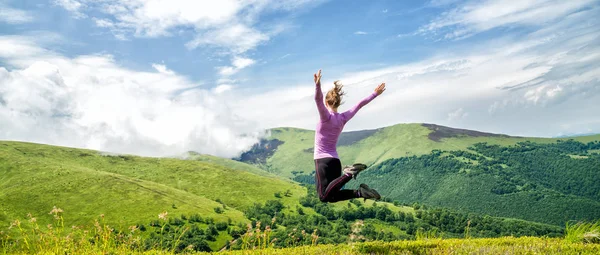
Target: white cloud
x: 223, y: 88
x: 14, y: 16
x: 290, y: 106
x: 91, y: 102
x: 156, y: 18
x: 227, y: 70
x: 530, y: 85
x: 360, y: 33
x: 104, y: 23
x: 239, y: 63
x: 238, y: 38
x: 162, y: 69
x: 477, y: 16
x: 73, y: 6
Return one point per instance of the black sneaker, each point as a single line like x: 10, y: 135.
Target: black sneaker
x: 366, y: 192
x: 353, y: 170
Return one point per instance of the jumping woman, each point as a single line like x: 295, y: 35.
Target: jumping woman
x: 328, y: 167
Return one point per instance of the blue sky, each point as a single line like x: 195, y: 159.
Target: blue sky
x: 161, y: 77
x: 345, y: 36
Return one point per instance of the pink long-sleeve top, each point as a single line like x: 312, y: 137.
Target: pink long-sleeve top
x: 331, y: 124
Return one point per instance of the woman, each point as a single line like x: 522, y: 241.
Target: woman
x: 329, y: 178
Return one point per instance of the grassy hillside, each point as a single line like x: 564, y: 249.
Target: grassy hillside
x: 293, y: 151
x: 129, y: 190
x: 85, y: 184
x: 213, y: 198
x: 233, y: 164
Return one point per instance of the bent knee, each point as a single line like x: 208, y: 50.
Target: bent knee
x: 324, y: 199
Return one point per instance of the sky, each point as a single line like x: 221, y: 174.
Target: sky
x: 159, y: 78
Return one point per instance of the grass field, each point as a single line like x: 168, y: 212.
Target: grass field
x: 506, y: 245
x: 580, y: 238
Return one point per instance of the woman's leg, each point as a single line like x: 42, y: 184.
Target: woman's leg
x: 329, y: 180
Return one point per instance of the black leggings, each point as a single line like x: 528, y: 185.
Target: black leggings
x: 330, y: 180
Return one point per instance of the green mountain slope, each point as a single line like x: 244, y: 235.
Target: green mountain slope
x: 290, y: 150
x: 127, y: 189
x: 535, y: 179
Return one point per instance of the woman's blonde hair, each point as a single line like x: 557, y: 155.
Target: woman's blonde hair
x: 334, y: 95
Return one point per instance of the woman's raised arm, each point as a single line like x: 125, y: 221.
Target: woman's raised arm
x: 323, y: 113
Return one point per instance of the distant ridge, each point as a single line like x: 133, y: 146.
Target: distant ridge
x: 576, y: 135
x: 440, y: 132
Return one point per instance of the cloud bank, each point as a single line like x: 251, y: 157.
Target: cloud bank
x: 91, y: 102
x: 476, y: 16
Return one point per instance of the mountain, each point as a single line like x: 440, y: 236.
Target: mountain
x: 546, y: 180
x: 290, y: 150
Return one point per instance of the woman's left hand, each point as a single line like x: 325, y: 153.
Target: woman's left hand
x: 318, y: 77
x: 380, y: 89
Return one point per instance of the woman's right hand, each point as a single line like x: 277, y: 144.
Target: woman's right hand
x: 318, y: 77
x: 380, y: 89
